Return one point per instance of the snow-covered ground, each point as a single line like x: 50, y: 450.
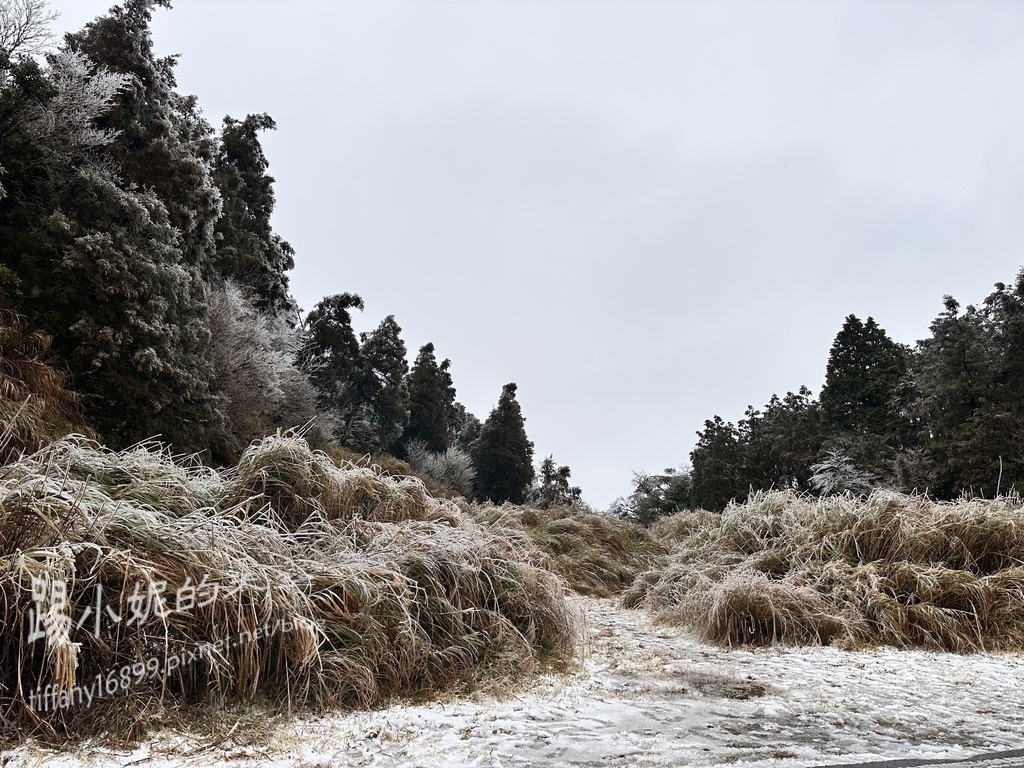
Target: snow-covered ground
x: 651, y: 696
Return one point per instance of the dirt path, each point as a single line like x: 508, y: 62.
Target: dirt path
x: 651, y: 696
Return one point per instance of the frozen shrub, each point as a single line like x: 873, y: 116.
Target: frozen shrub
x: 254, y: 358
x: 452, y: 467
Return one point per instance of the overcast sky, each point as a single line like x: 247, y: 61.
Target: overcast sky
x: 644, y: 213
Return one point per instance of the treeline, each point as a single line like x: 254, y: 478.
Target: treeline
x: 138, y: 238
x: 944, y: 417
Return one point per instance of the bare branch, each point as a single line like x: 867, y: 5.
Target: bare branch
x: 25, y: 26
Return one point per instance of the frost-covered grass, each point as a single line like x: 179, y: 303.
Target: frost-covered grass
x: 337, y: 586
x: 890, y: 569
x: 597, y: 554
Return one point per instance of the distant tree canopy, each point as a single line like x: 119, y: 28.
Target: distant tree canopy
x: 655, y: 496
x: 248, y: 249
x: 551, y: 487
x: 864, y: 368
x: 946, y: 417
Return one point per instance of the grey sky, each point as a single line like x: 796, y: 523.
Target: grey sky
x: 644, y: 213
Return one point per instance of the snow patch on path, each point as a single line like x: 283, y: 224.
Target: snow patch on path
x: 647, y: 695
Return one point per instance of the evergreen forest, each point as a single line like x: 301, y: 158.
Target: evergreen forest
x: 137, y: 251
x: 942, y: 418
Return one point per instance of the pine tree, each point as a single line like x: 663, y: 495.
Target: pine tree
x: 163, y: 144
x: 383, y: 389
x: 503, y: 455
x: 864, y: 369
x: 958, y: 373
x: 782, y: 441
x: 334, y: 360
x: 248, y: 250
x: 718, y: 474
x: 431, y: 401
x: 97, y: 263
x: 553, y: 489
x: 463, y: 427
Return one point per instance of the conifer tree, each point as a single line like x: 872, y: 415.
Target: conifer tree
x: 463, y: 426
x: 96, y: 261
x: 552, y: 488
x: 718, y: 474
x: 782, y: 441
x: 431, y: 401
x: 958, y: 373
x: 163, y: 144
x: 248, y: 250
x: 503, y: 455
x: 864, y: 369
x: 654, y: 496
x: 383, y: 388
x: 334, y: 359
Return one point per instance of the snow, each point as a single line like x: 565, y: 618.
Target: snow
x: 647, y: 695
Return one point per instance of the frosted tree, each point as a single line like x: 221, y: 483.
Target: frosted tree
x: 382, y: 386
x: 83, y: 94
x: 503, y: 455
x: 163, y: 143
x: 107, y: 227
x: 248, y: 249
x: 254, y: 359
x: 431, y: 401
x: 25, y: 27
x: 333, y: 359
x: 452, y: 467
x: 864, y: 369
x: 837, y: 474
x: 127, y: 313
x: 551, y: 488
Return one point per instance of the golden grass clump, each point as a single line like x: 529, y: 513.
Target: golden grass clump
x: 890, y: 569
x: 597, y: 554
x: 296, y: 481
x: 160, y: 585
x: 675, y: 528
x: 386, y: 464
x: 36, y: 405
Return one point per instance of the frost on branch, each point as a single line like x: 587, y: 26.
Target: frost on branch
x: 254, y: 356
x: 25, y: 26
x: 452, y: 467
x: 84, y: 93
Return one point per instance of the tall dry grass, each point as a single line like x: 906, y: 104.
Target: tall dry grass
x: 890, y: 569
x: 374, y: 587
x: 596, y: 554
x: 36, y: 405
x: 386, y: 464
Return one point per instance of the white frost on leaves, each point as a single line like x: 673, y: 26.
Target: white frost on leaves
x: 452, y: 467
x: 254, y: 356
x: 84, y: 93
x: 652, y: 696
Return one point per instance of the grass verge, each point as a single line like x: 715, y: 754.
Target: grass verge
x: 158, y: 584
x: 890, y: 569
x: 596, y: 554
